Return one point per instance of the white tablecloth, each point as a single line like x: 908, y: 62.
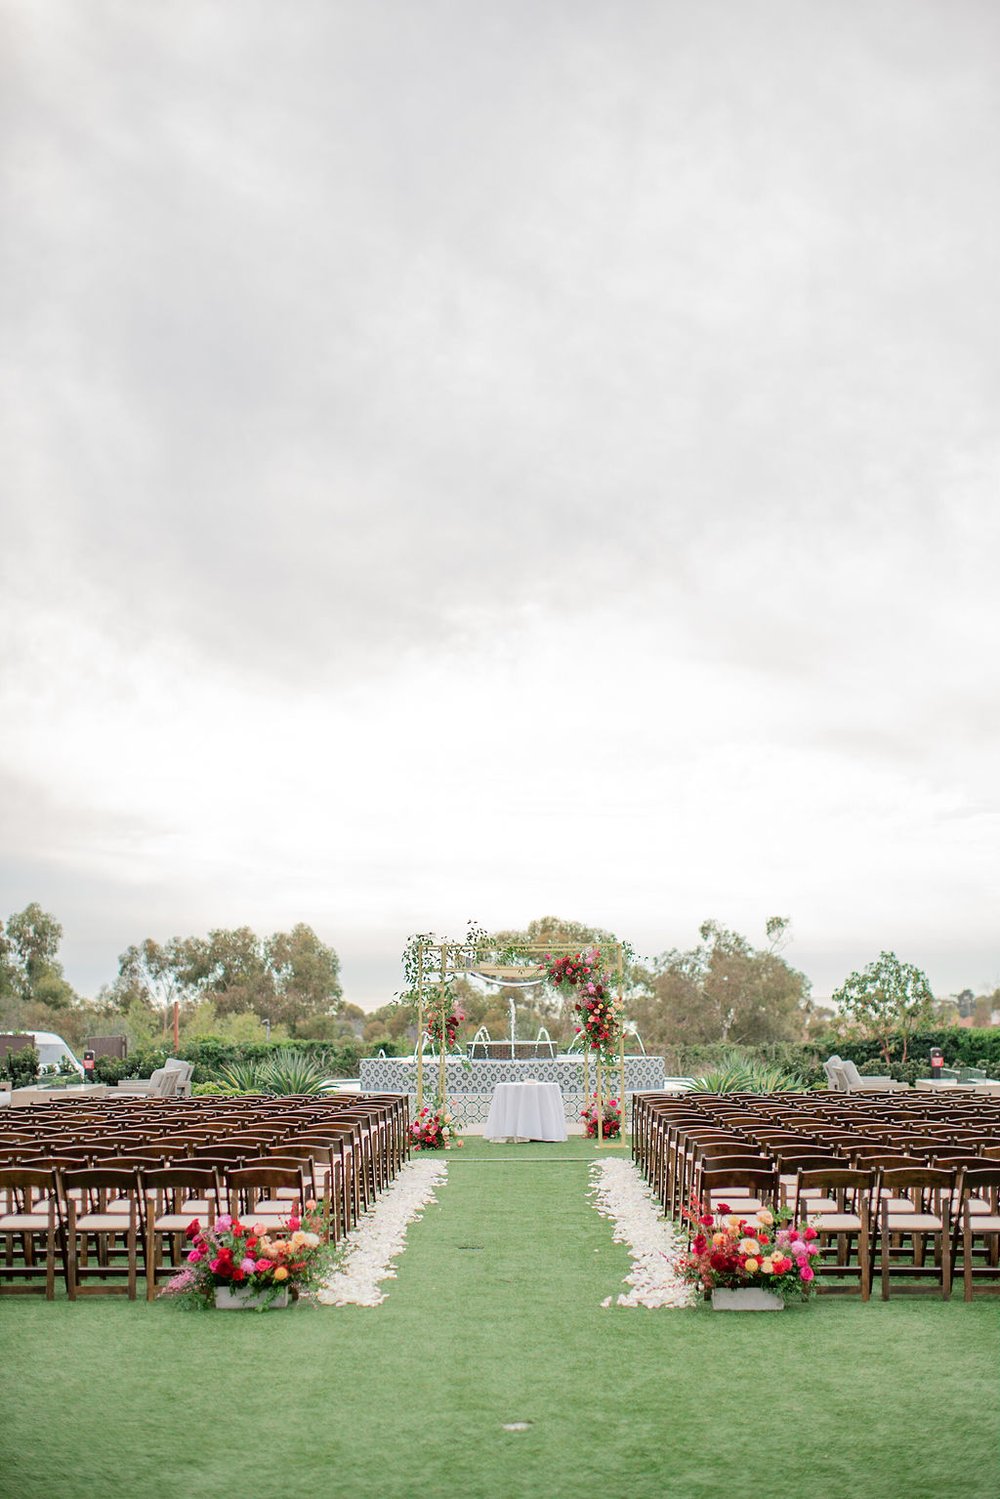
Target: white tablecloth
x: 526, y: 1111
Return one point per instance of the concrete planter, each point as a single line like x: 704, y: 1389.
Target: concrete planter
x: 241, y: 1299
x: 746, y: 1299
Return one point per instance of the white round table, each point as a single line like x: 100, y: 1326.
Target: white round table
x: 526, y: 1111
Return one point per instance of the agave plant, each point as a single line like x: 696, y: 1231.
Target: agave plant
x: 285, y: 1071
x: 737, y: 1074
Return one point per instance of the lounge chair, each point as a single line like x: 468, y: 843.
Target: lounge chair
x: 162, y: 1084
x: 858, y: 1084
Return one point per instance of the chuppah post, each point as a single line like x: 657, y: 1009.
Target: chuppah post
x: 443, y: 1037
x: 621, y: 1043
x: 420, y: 1026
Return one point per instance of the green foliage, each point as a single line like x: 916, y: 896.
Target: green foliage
x: 29, y: 968
x: 111, y: 1070
x: 20, y: 1068
x: 211, y: 1054
x: 741, y: 1074
x: 284, y: 1071
x: 961, y: 1047
x: 886, y: 999
x: 724, y: 990
x: 289, y: 979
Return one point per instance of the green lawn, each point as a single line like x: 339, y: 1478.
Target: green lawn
x: 495, y: 1317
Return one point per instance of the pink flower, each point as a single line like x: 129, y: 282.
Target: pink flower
x: 263, y: 1266
x: 194, y: 1256
x: 248, y: 1265
x: 807, y: 1273
x: 223, y: 1223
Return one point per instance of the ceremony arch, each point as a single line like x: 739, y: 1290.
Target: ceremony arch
x: 432, y: 965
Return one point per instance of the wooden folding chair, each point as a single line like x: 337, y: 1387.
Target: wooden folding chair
x: 836, y: 1202
x: 914, y: 1207
x: 104, y: 1206
x: 174, y: 1196
x: 252, y: 1193
x: 980, y: 1229
x: 30, y: 1230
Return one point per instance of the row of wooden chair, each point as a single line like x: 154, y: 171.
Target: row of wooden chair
x: 98, y: 1189
x: 912, y: 1201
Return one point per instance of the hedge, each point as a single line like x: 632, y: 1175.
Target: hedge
x: 210, y: 1054
x: 962, y: 1048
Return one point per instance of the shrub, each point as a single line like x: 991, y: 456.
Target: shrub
x: 20, y: 1068
x: 739, y: 1074
x: 287, y: 1071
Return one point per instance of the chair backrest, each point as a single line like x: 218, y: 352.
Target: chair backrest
x: 928, y: 1187
x: 25, y: 1188
x: 850, y: 1188
x: 175, y: 1064
x: 834, y: 1076
x: 763, y: 1181
x: 164, y: 1081
x: 177, y: 1183
x: 254, y: 1182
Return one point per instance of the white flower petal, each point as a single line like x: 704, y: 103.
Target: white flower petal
x: 623, y: 1196
x: 380, y: 1236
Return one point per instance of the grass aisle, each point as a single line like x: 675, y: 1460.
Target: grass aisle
x: 495, y: 1317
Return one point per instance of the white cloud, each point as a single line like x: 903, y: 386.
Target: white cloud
x: 372, y: 377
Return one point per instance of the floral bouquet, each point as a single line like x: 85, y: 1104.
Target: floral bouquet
x: 433, y: 1129
x: 569, y: 972
x: 765, y: 1251
x: 612, y: 1120
x: 600, y: 1017
x: 259, y: 1258
x: 452, y: 1022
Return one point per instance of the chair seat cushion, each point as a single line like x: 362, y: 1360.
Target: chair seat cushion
x: 24, y: 1223
x: 836, y: 1223
x: 916, y: 1223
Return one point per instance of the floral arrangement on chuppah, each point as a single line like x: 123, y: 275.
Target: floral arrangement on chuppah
x: 452, y: 1021
x: 612, y: 1120
x: 765, y: 1251
x: 598, y: 1009
x: 433, y: 1129
x: 265, y: 1261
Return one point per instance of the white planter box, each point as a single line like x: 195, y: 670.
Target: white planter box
x: 228, y: 1299
x: 746, y: 1299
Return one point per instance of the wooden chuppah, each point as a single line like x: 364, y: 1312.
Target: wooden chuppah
x: 438, y: 963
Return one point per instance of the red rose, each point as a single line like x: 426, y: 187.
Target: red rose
x: 193, y: 1227
x: 719, y: 1261
x: 724, y: 1207
x: 706, y: 1220
x: 699, y: 1244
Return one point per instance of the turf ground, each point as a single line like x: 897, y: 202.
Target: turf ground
x: 496, y: 1318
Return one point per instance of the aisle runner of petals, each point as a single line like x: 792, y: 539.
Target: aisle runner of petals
x: 372, y: 1247
x: 623, y: 1196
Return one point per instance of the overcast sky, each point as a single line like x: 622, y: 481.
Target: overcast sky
x: 502, y: 459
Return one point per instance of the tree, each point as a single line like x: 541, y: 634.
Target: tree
x: 885, y: 999
x: 306, y: 976
x: 536, y: 1007
x: 29, y: 966
x: 290, y: 978
x: 726, y: 990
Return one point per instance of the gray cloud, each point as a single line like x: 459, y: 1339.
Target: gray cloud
x: 348, y: 337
